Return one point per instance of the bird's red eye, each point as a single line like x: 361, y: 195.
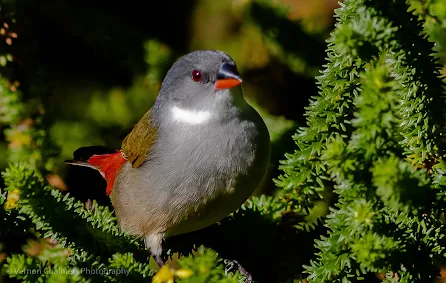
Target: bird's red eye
x: 196, y: 75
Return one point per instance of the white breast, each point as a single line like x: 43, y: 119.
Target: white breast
x: 191, y: 117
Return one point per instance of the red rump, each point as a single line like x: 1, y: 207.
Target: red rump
x: 108, y: 165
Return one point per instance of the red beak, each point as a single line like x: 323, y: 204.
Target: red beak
x: 227, y: 77
x: 227, y: 83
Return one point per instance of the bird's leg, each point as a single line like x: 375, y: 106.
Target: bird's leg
x: 159, y: 260
x: 153, y: 244
x: 235, y: 264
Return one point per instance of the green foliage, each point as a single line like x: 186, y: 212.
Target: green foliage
x: 433, y: 12
x: 28, y: 139
x: 375, y: 134
x: 385, y: 204
x: 10, y: 104
x: 206, y: 267
x: 92, y: 230
x: 365, y: 31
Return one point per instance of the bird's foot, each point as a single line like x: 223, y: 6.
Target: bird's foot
x: 159, y: 260
x: 233, y: 264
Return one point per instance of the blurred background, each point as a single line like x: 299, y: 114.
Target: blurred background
x: 93, y: 70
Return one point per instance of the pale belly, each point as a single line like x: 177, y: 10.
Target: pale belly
x: 214, y: 210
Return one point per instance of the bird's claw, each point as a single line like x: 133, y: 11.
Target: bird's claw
x: 233, y: 264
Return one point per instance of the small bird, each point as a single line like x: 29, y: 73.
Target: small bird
x: 192, y: 159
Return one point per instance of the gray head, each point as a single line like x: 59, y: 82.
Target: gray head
x: 197, y: 77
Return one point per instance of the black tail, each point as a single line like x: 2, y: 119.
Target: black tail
x: 87, y: 184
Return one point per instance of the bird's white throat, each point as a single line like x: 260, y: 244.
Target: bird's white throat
x: 192, y: 117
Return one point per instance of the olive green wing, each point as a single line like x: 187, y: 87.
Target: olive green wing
x: 140, y: 141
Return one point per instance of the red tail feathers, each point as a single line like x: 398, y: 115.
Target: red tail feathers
x: 108, y: 165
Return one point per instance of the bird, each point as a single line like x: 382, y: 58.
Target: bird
x: 194, y: 157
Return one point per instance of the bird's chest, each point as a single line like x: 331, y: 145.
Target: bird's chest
x: 216, y: 169
x: 212, y: 155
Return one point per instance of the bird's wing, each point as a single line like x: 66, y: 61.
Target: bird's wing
x: 140, y: 141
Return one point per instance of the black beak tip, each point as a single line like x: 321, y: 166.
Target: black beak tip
x: 227, y: 71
